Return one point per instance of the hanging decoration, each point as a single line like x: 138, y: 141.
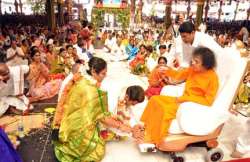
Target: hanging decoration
x: 122, y: 14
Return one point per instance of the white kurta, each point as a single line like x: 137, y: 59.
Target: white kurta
x: 12, y: 91
x: 80, y: 54
x: 17, y: 60
x: 184, y: 51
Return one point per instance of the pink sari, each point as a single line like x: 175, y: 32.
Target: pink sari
x: 40, y: 86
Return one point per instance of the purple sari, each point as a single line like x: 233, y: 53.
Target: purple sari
x: 7, y: 151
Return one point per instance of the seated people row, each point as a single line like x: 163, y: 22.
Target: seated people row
x: 82, y: 111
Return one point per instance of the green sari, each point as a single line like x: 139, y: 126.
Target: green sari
x: 84, y: 107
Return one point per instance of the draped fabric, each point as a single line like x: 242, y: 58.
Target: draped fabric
x: 7, y: 151
x: 156, y: 82
x: 40, y: 87
x: 80, y: 111
x: 131, y: 51
x: 200, y: 87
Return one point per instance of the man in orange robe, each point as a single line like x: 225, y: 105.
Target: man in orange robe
x: 201, y: 87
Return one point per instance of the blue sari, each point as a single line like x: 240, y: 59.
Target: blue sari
x: 131, y: 51
x: 7, y: 151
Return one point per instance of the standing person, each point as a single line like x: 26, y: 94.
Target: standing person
x: 81, y: 110
x: 191, y: 39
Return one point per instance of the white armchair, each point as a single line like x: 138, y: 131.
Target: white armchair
x: 196, y: 119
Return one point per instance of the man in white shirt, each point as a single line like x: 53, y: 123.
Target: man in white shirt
x: 15, y: 55
x: 82, y: 53
x: 11, y: 87
x: 163, y: 52
x: 191, y: 39
x: 110, y: 42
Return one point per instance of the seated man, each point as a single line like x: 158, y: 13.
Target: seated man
x: 110, y: 42
x: 201, y: 87
x: 15, y: 55
x: 11, y: 87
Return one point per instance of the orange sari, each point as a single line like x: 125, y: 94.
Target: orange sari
x: 200, y: 88
x: 155, y: 82
x: 139, y: 59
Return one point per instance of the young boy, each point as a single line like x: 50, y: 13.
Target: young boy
x: 133, y: 95
x: 129, y: 97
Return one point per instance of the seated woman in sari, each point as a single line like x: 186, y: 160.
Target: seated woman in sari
x: 201, y: 87
x: 62, y: 63
x: 81, y: 110
x: 131, y: 49
x: 157, y: 79
x: 40, y: 86
x: 50, y: 55
x: 140, y: 57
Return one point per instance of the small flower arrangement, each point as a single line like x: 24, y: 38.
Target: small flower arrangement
x: 140, y: 69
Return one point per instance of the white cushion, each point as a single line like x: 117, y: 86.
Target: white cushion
x: 175, y: 128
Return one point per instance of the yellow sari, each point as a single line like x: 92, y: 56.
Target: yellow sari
x: 78, y: 116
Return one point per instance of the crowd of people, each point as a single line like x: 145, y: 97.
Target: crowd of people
x: 37, y: 64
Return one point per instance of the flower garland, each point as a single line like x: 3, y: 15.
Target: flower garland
x: 60, y: 107
x: 89, y: 78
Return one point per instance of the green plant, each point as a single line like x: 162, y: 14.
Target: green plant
x: 37, y: 6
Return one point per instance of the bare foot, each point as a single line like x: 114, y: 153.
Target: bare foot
x: 236, y: 154
x: 138, y: 132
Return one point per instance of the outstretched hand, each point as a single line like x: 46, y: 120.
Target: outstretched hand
x: 125, y: 128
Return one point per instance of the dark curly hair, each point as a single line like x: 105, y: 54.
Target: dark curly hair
x: 207, y: 57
